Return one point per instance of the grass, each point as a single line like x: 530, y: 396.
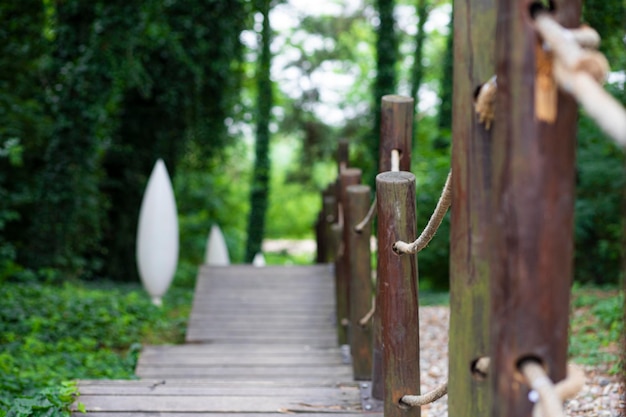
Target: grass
x: 597, y: 327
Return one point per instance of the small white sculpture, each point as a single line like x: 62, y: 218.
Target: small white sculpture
x: 157, y: 234
x: 259, y: 260
x: 216, y: 250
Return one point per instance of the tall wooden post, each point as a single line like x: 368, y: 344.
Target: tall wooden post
x: 469, y: 394
x: 397, y: 295
x: 330, y: 217
x: 349, y: 176
x: 533, y: 209
x: 342, y: 155
x: 360, y: 282
x: 396, y: 131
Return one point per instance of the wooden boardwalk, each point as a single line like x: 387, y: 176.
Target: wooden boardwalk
x: 260, y: 341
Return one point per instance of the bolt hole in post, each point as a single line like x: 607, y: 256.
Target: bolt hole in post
x: 480, y: 368
x: 533, y: 395
x: 402, y: 405
x: 537, y: 7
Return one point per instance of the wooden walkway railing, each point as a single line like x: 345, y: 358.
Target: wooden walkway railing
x: 260, y: 341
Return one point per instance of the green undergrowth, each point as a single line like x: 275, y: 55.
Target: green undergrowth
x: 51, y: 333
x: 597, y: 327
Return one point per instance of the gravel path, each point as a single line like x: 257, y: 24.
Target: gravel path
x: 602, y: 395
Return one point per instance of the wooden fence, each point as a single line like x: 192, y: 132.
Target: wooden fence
x: 511, y: 238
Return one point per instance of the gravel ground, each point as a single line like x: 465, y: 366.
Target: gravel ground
x: 602, y: 395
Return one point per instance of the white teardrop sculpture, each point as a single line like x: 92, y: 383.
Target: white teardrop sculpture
x: 157, y: 234
x: 259, y: 260
x: 216, y: 250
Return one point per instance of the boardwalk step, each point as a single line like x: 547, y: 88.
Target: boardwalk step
x: 150, y: 396
x: 261, y: 342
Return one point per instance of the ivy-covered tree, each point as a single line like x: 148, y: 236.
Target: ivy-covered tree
x: 260, y: 178
x: 386, y: 75
x: 23, y: 120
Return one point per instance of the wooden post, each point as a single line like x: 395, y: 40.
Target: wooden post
x: 468, y: 390
x: 349, y: 176
x: 330, y: 217
x: 396, y: 131
x: 342, y: 156
x: 397, y: 295
x: 320, y: 237
x: 360, y: 282
x: 533, y: 211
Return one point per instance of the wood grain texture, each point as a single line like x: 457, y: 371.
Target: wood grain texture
x: 360, y: 282
x: 347, y: 177
x: 396, y: 131
x: 397, y: 292
x: 474, y: 26
x: 533, y: 205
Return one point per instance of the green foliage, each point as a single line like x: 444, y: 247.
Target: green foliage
x: 52, y: 401
x: 51, y: 333
x: 597, y: 326
x: 211, y: 193
x: 95, y: 92
x: 601, y: 179
x: 386, y: 78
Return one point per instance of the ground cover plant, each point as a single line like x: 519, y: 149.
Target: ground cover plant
x: 597, y: 327
x: 53, y: 333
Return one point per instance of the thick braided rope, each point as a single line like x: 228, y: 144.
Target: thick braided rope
x: 429, y: 231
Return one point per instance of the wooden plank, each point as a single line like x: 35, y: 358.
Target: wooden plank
x: 468, y: 393
x: 251, y: 371
x: 162, y: 387
x: 280, y: 339
x: 533, y: 210
x: 278, y: 413
x: 275, y: 349
x: 247, y: 360
x: 219, y: 404
x: 189, y: 382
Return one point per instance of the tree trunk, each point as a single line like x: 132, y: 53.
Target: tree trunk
x: 260, y: 180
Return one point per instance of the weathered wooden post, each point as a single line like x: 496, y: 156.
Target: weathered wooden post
x: 330, y: 217
x: 532, y: 210
x: 326, y: 216
x: 342, y: 156
x: 360, y: 282
x: 397, y: 292
x: 396, y: 132
x: 320, y: 236
x: 396, y: 137
x: 468, y: 388
x: 348, y: 177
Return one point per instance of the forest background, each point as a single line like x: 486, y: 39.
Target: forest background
x: 245, y: 100
x: 247, y: 112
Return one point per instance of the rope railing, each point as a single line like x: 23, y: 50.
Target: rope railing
x: 445, y: 200
x: 370, y: 214
x: 577, y: 69
x: 581, y: 71
x: 481, y: 366
x: 367, y: 317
